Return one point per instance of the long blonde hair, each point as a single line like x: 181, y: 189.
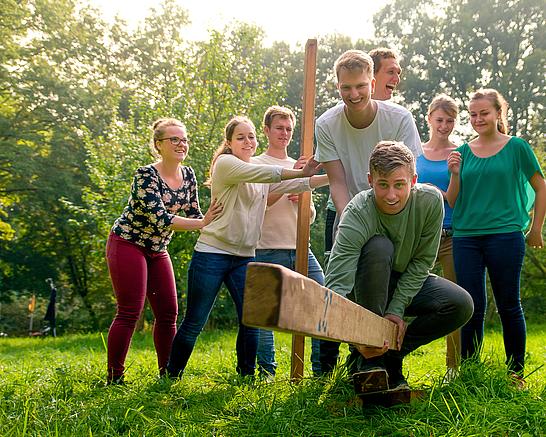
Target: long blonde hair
x: 498, y: 102
x: 225, y: 148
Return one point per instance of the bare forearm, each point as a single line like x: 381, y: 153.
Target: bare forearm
x: 539, y: 212
x: 318, y: 181
x: 291, y: 173
x: 186, y: 224
x: 340, y: 197
x: 453, y: 190
x: 338, y: 185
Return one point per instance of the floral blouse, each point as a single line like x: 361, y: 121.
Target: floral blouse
x: 153, y: 204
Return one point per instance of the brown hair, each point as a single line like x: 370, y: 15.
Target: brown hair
x: 354, y: 60
x: 498, y: 102
x: 387, y: 156
x: 382, y: 53
x: 158, y: 131
x: 445, y: 103
x: 224, y: 148
x: 280, y: 111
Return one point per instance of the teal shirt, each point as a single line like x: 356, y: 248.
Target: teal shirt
x: 415, y: 233
x: 495, y: 195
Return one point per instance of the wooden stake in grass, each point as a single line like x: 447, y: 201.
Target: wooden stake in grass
x: 304, y: 203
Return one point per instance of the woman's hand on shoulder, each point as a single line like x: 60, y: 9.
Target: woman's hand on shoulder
x: 215, y: 209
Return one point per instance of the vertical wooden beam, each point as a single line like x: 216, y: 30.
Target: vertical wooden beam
x: 304, y: 204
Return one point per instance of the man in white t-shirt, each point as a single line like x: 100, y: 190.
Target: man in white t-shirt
x: 386, y: 72
x: 277, y: 243
x: 346, y: 135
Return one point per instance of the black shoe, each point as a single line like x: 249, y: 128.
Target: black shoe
x: 356, y: 363
x: 398, y: 383
x: 116, y: 380
x: 266, y: 377
x: 393, y: 364
x: 173, y: 374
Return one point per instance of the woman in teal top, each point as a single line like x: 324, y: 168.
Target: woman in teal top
x: 432, y: 169
x: 495, y: 179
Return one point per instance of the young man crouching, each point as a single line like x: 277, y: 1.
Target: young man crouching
x: 384, y: 250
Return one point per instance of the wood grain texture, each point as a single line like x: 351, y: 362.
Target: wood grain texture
x: 304, y: 203
x: 280, y: 299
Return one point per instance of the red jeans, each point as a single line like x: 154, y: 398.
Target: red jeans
x: 137, y: 274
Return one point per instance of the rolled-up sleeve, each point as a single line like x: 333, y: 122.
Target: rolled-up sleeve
x: 353, y: 234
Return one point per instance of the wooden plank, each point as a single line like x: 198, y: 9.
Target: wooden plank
x: 304, y: 203
x: 280, y: 299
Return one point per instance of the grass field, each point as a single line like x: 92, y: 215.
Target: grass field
x: 55, y: 387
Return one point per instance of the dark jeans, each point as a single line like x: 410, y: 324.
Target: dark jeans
x: 266, y: 343
x: 329, y: 230
x: 206, y: 273
x: 439, y: 308
x: 502, y: 255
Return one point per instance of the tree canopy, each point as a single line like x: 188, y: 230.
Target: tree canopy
x: 77, y: 97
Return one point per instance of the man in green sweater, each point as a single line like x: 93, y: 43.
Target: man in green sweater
x: 384, y: 250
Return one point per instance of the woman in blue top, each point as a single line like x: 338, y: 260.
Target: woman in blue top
x: 432, y: 168
x: 495, y: 178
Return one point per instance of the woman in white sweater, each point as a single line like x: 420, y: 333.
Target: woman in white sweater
x: 228, y: 243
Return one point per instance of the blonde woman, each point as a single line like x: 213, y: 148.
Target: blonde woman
x: 432, y: 168
x: 138, y: 261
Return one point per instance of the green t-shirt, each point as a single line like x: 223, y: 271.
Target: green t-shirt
x: 415, y: 233
x: 495, y: 195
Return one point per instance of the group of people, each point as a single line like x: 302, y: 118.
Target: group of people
x: 384, y: 231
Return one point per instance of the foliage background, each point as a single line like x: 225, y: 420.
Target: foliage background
x: 77, y: 97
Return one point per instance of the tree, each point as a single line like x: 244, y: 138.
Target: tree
x: 55, y: 82
x: 462, y: 45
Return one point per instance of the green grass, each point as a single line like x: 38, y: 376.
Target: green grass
x: 56, y: 387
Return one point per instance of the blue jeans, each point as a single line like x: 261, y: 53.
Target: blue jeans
x: 439, y: 307
x: 206, y: 273
x: 502, y: 255
x: 266, y: 343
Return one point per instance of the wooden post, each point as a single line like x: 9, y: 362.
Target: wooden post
x: 453, y: 350
x: 281, y: 299
x: 304, y: 204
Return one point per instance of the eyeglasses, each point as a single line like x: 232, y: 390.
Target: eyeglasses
x: 175, y: 141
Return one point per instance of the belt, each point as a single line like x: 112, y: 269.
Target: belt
x: 447, y: 232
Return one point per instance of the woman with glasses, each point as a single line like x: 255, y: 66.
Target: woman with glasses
x: 227, y: 245
x: 136, y: 251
